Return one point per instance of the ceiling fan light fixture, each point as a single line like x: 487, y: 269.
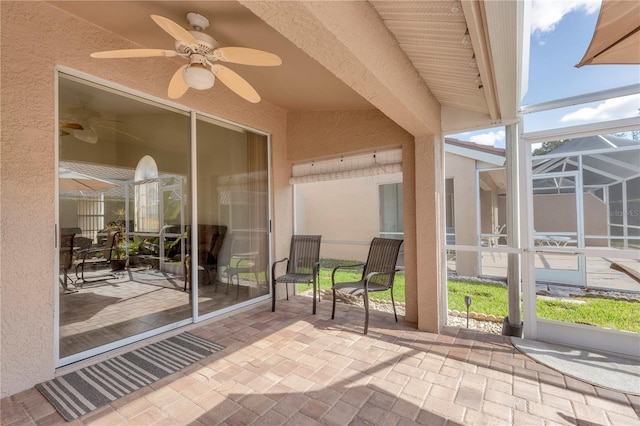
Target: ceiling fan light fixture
x: 198, y: 77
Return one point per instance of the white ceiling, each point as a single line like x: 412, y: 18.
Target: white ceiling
x: 429, y: 32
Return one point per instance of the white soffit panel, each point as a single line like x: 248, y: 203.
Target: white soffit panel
x: 376, y: 163
x: 431, y: 33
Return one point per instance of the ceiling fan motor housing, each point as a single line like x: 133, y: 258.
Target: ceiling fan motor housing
x: 206, y: 44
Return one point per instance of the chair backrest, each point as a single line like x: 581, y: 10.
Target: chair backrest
x: 66, y: 250
x: 82, y: 243
x: 303, y: 254
x: 383, y: 255
x: 110, y: 244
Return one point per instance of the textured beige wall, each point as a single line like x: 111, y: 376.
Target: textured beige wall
x: 340, y: 210
x: 430, y: 269
x: 36, y: 37
x: 463, y: 172
x: 319, y: 134
x: 557, y: 213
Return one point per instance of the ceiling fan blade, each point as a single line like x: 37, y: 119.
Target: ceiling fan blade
x: 236, y: 83
x: 175, y: 30
x: 69, y: 125
x: 132, y: 136
x: 63, y: 133
x: 177, y: 85
x: 246, y: 56
x: 134, y: 53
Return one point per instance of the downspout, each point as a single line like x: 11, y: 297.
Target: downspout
x: 513, y: 325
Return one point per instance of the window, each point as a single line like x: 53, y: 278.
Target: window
x: 391, y: 216
x: 90, y: 213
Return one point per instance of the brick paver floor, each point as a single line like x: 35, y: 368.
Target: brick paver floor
x: 293, y: 368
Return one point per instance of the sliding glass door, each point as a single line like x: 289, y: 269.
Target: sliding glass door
x: 133, y: 243
x: 233, y: 220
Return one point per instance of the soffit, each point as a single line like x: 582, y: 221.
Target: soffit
x: 431, y: 34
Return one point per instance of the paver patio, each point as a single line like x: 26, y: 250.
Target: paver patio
x: 291, y: 367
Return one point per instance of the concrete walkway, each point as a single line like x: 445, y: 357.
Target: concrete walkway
x: 291, y: 367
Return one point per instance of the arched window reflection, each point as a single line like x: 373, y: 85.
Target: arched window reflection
x: 146, y: 196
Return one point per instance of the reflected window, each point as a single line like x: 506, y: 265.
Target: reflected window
x: 146, y: 195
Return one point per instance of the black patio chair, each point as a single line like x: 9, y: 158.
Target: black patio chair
x: 303, y: 266
x: 66, y: 258
x: 95, y: 256
x: 377, y: 275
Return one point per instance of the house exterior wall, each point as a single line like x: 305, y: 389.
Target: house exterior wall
x: 344, y: 212
x: 557, y: 213
x: 28, y: 166
x: 463, y: 171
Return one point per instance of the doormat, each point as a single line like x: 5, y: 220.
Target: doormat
x: 599, y: 369
x: 80, y: 392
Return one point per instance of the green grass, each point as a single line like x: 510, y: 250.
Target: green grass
x: 598, y: 311
x: 492, y: 299
x: 489, y: 299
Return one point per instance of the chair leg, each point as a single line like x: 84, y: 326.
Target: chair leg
x: 229, y: 281
x: 393, y: 303
x: 366, y: 312
x: 287, y: 286
x: 313, y: 310
x: 333, y: 308
x: 273, y: 294
x: 81, y: 278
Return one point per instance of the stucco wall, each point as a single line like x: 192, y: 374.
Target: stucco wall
x: 557, y: 213
x: 463, y: 172
x: 320, y: 134
x: 36, y: 37
x: 345, y: 212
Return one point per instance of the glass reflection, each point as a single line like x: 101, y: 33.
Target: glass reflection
x: 123, y: 203
x: 232, y: 237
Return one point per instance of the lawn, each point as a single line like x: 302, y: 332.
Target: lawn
x: 491, y: 299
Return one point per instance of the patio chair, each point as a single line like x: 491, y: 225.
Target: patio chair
x: 303, y: 265
x: 378, y: 274
x: 96, y: 256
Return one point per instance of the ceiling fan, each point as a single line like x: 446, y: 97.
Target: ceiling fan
x: 82, y: 123
x: 203, y: 54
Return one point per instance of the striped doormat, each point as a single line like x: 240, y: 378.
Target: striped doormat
x: 80, y: 392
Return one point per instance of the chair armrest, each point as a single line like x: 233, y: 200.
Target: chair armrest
x: 240, y: 260
x: 333, y: 273
x: 273, y: 267
x: 84, y: 254
x: 316, y: 270
x: 373, y: 274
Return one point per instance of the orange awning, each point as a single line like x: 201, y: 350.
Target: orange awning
x: 616, y: 39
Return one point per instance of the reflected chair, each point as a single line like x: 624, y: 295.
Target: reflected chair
x: 245, y: 259
x: 378, y: 274
x: 96, y: 256
x: 66, y: 258
x: 303, y: 266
